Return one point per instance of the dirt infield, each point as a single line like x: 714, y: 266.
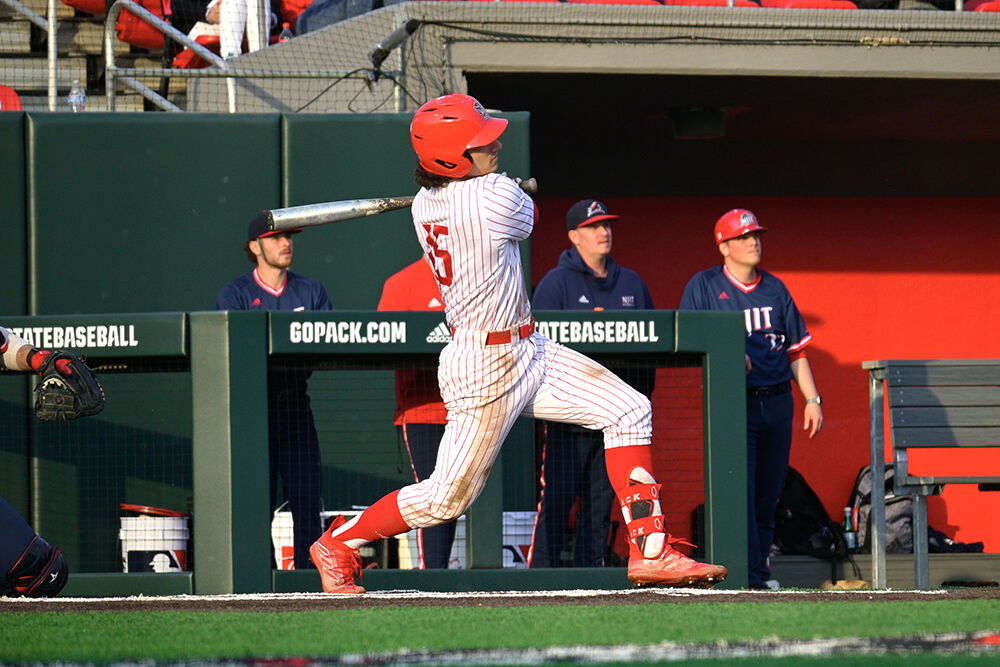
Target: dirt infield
x: 284, y: 602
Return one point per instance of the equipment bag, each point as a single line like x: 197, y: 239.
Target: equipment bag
x: 801, y: 524
x: 898, y: 513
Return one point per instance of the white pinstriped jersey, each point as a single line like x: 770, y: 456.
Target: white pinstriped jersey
x: 470, y: 230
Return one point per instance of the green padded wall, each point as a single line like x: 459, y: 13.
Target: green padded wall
x: 145, y: 212
x: 13, y: 301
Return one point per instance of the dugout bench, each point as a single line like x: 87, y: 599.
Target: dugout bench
x: 932, y: 404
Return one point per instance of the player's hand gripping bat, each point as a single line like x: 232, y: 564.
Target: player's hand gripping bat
x: 310, y: 215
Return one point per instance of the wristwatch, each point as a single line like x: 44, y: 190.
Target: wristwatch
x: 815, y: 399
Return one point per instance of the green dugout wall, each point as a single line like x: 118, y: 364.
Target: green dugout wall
x: 81, y: 470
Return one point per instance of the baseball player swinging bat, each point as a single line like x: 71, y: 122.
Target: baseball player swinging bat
x: 310, y: 215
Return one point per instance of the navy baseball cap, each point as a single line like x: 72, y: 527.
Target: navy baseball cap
x: 259, y: 228
x: 587, y: 212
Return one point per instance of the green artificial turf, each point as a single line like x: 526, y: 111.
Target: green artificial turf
x: 97, y: 637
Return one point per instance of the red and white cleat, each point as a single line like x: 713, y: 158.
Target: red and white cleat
x: 337, y: 563
x: 672, y: 568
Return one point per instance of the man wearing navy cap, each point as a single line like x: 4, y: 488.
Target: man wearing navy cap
x: 573, y: 467
x: 294, y: 443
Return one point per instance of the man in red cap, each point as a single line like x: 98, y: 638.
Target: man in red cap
x: 775, y: 355
x: 469, y: 219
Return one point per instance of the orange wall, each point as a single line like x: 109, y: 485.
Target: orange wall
x: 875, y: 278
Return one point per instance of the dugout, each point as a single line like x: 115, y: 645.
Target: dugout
x: 186, y: 427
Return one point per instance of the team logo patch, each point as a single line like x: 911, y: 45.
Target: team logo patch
x: 628, y: 301
x: 480, y: 110
x: 596, y: 208
x: 747, y: 219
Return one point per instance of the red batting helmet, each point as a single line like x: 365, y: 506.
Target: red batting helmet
x: 735, y: 223
x: 444, y: 128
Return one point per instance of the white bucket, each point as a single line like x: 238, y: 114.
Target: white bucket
x: 283, y: 535
x: 154, y: 543
x: 409, y: 554
x: 517, y: 530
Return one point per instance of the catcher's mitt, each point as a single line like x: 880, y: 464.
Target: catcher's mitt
x: 68, y: 389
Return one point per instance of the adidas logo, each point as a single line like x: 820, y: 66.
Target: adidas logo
x: 439, y: 334
x: 584, y: 299
x: 434, y: 303
x: 723, y: 295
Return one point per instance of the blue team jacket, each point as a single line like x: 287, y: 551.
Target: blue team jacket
x: 571, y: 285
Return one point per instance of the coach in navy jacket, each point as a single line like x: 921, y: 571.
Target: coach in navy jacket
x: 586, y: 278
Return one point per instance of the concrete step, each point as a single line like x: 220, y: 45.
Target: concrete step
x: 75, y: 35
x: 40, y: 7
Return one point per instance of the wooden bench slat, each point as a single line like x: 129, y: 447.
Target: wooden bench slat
x: 910, y: 417
x: 946, y: 437
x: 931, y: 375
x: 943, y: 396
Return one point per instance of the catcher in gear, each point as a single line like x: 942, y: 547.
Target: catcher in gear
x: 29, y: 565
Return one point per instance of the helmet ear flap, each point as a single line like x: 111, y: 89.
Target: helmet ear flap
x: 445, y: 164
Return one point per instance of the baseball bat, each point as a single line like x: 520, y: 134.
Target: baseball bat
x: 310, y: 215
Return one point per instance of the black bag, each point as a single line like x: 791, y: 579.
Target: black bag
x: 898, y: 513
x: 801, y: 524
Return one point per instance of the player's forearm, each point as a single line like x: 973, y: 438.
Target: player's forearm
x: 802, y: 373
x: 15, y: 357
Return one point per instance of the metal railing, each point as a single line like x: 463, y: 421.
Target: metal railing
x: 115, y: 74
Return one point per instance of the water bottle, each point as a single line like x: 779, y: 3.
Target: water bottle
x: 286, y: 33
x: 77, y: 97
x: 850, y: 532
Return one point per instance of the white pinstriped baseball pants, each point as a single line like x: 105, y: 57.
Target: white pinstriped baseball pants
x: 486, y: 388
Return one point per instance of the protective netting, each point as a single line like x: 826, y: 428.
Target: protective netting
x: 383, y: 55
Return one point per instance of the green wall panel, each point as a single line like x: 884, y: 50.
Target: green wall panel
x: 145, y: 212
x: 13, y: 299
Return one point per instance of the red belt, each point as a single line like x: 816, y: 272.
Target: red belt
x: 507, y: 335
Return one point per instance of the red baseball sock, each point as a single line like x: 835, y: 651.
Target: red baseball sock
x: 380, y: 520
x: 621, y: 461
x: 628, y: 467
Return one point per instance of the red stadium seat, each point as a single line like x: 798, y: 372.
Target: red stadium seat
x: 89, y: 6
x: 710, y: 3
x: 188, y: 59
x: 809, y: 4
x: 9, y: 99
x: 617, y: 2
x: 137, y: 32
